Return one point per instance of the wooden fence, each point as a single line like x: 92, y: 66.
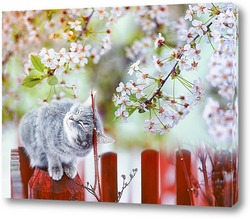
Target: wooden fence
x: 36, y: 183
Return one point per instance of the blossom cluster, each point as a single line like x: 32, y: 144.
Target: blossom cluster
x: 223, y: 75
x: 223, y: 64
x: 147, y: 93
x: 64, y: 60
x: 139, y: 48
x: 165, y: 109
x: 171, y: 62
x: 221, y: 121
x: 87, y: 32
x: 151, y: 17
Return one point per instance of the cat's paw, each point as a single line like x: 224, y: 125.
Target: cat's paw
x: 56, y: 172
x: 70, y: 171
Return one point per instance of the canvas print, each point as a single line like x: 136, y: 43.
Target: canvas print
x: 128, y: 104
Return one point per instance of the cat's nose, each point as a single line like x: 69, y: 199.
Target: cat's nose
x: 71, y: 117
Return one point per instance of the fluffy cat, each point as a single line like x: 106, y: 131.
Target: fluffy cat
x: 56, y: 134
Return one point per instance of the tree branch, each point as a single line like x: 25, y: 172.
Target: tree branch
x: 157, y: 92
x: 85, y: 25
x: 97, y: 177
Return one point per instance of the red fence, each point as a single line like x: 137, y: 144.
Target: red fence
x: 36, y: 184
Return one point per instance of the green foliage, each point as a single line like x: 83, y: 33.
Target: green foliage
x: 131, y: 110
x: 52, y: 80
x: 31, y: 81
x: 36, y: 62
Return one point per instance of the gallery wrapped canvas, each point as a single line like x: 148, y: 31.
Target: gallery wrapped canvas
x: 128, y: 104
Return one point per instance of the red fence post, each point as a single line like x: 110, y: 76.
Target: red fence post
x: 20, y: 173
x: 41, y: 186
x: 16, y: 182
x: 25, y: 170
x: 109, y: 177
x: 150, y: 177
x: 183, y: 170
x: 224, y: 178
x: 235, y: 176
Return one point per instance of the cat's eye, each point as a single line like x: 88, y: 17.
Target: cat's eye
x: 76, y: 111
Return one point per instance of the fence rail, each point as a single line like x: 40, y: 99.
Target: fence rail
x: 36, y: 183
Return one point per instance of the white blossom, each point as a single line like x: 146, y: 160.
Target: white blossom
x: 151, y: 126
x: 123, y: 114
x: 200, y: 9
x: 189, y: 13
x: 138, y: 91
x: 124, y: 89
x: 159, y: 41
x: 76, y: 25
x: 134, y: 67
x: 101, y: 13
x: 143, y: 77
x: 199, y: 27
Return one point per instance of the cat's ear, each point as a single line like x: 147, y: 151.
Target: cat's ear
x: 103, y: 139
x: 88, y: 102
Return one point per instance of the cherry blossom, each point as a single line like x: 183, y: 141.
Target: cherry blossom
x: 94, y: 55
x: 143, y: 77
x: 117, y: 11
x: 101, y: 13
x: 189, y: 13
x: 76, y: 25
x: 199, y: 27
x: 151, y: 126
x: 48, y: 58
x: 165, y: 110
x: 123, y: 114
x: 159, y: 41
x: 161, y: 56
x: 138, y: 91
x: 221, y: 121
x: 134, y: 67
x: 124, y: 89
x: 200, y: 9
x: 187, y: 35
x: 139, y: 49
x: 123, y: 102
x: 63, y: 56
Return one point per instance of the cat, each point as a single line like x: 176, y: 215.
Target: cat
x: 55, y: 134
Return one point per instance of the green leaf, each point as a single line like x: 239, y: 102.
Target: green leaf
x: 143, y: 99
x: 177, y: 70
x: 141, y: 111
x: 34, y: 72
x: 159, y: 84
x: 31, y: 81
x: 52, y: 80
x: 133, y: 98
x: 131, y: 110
x: 38, y: 65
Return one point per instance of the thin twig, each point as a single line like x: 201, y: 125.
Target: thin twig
x: 203, y: 159
x: 97, y: 177
x: 85, y: 25
x: 90, y: 190
x: 125, y: 184
x: 190, y: 189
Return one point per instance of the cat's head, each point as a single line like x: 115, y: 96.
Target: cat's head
x: 78, y: 123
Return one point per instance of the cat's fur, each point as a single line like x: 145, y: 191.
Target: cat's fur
x: 56, y: 134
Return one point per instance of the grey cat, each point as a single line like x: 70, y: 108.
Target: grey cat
x: 56, y: 134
